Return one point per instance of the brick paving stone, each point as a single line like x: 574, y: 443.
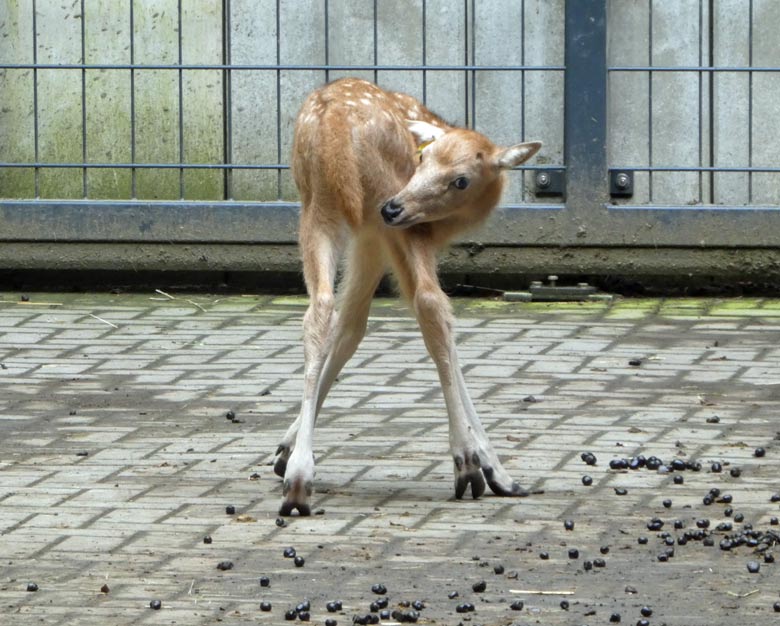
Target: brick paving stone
x: 116, y: 460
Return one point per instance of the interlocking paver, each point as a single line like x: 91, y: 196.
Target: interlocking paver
x: 116, y: 460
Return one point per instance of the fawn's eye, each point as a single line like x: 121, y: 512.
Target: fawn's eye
x: 461, y: 182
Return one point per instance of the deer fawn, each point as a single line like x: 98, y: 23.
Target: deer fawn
x: 389, y: 183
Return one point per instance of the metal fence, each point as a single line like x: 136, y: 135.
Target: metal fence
x: 195, y: 99
x: 694, y: 86
x: 171, y: 120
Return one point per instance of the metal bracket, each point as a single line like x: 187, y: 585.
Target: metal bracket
x: 621, y: 183
x: 550, y: 182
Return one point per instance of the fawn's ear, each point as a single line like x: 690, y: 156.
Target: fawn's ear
x: 424, y: 133
x: 517, y: 154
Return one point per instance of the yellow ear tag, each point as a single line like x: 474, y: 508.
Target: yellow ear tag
x: 424, y: 145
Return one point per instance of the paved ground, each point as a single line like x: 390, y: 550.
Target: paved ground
x: 116, y: 460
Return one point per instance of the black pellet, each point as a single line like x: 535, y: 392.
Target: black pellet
x: 574, y: 553
x: 614, y: 618
x: 379, y: 589
x: 568, y: 524
x: 517, y: 605
x: 479, y: 587
x: 753, y: 567
x: 225, y: 565
x: 587, y: 480
x: 289, y: 553
x: 265, y: 606
x: 299, y: 561
x: 265, y: 581
x: 759, y: 452
x: 155, y: 604
x: 32, y: 587
x: 230, y: 509
x: 646, y: 611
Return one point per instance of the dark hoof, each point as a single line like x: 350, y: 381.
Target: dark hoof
x: 515, y: 491
x: 467, y: 472
x: 280, y: 466
x: 287, y: 508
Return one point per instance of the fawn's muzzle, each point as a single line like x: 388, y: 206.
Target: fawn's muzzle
x: 391, y: 210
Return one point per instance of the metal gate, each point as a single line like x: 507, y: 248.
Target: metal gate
x: 170, y: 120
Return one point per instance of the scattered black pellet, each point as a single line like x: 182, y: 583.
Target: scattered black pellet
x: 759, y: 452
x: 773, y: 521
x: 739, y: 518
x: 776, y: 607
x: 105, y: 589
x: 265, y: 581
x: 479, y: 587
x: 466, y: 607
x: 568, y: 524
x: 678, y: 479
x: 655, y: 524
x: 265, y: 606
x: 775, y: 497
x: 635, y: 362
x: 653, y: 463
x: 207, y: 539
x: 599, y: 562
x: 299, y: 561
x: 716, y: 467
x: 703, y: 523
x: 231, y: 415
x: 589, y: 458
x: 303, y: 606
x: 753, y: 567
x: 565, y: 605
x: 713, y: 420
x: 643, y: 622
x: 385, y: 614
x: 621, y: 491
x: 769, y: 557
x: 225, y: 565
x: 587, y: 565
x: 614, y: 618
x: 604, y: 549
x: 517, y: 605
x: 574, y: 553
x: 230, y: 509
x: 289, y: 553
x: 32, y: 587
x: 498, y: 569
x: 544, y: 555
x: 304, y: 616
x: 280, y: 522
x: 735, y: 472
x: 587, y: 480
x: 452, y: 595
x: 667, y: 504
x: 618, y: 464
x: 417, y: 605
x: 646, y: 611
x: 334, y: 606
x: 155, y: 604
x: 290, y: 615
x: 641, y: 540
x: 379, y: 589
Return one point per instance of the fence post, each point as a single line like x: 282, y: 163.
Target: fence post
x: 585, y: 106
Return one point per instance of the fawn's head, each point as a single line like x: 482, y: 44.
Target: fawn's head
x: 460, y: 174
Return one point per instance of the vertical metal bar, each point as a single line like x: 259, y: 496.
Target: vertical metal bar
x: 36, y: 132
x: 710, y: 95
x: 133, y: 171
x: 327, y: 41
x: 279, y: 100
x: 181, y: 105
x: 650, y: 99
x: 585, y: 104
x: 750, y: 102
x: 712, y: 77
x: 376, y: 41
x: 83, y: 104
x: 471, y: 58
x: 227, y: 104
x: 424, y: 52
x: 523, y: 193
x: 466, y: 62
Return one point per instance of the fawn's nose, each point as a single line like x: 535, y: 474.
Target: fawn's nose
x: 391, y: 210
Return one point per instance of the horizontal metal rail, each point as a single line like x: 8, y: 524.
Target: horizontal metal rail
x: 282, y: 67
x: 696, y: 168
x: 196, y: 166
x: 690, y: 68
